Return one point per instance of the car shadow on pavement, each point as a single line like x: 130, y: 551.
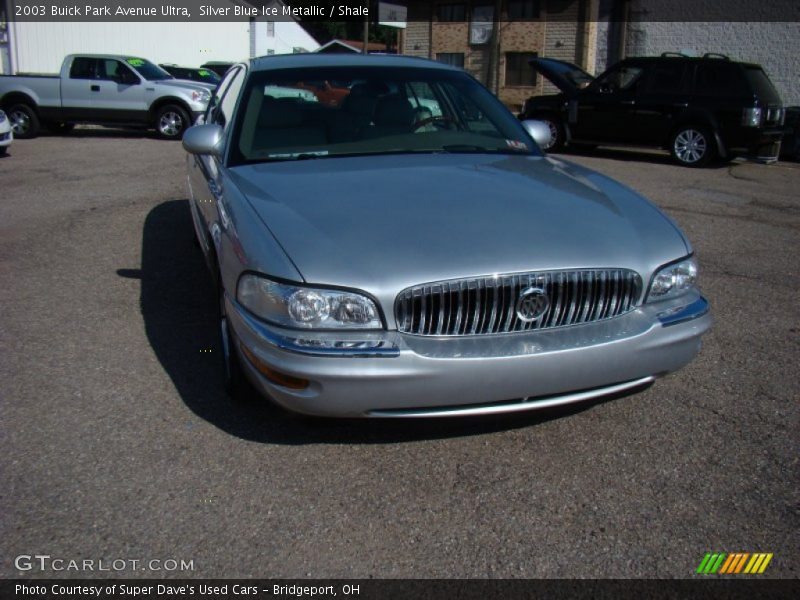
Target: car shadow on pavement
x: 178, y: 305
x: 650, y: 156
x: 98, y: 131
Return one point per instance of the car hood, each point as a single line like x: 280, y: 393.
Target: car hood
x: 567, y: 77
x: 388, y: 222
x: 185, y: 84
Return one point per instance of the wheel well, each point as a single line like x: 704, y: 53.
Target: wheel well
x: 161, y: 103
x: 13, y: 98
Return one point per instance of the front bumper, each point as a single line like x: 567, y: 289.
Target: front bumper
x: 6, y: 137
x: 388, y: 374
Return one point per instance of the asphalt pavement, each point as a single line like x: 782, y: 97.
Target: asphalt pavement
x: 118, y: 442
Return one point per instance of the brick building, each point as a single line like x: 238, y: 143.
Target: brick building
x: 496, y: 51
x: 597, y: 33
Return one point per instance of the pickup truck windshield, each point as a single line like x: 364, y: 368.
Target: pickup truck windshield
x: 148, y: 70
x: 373, y: 111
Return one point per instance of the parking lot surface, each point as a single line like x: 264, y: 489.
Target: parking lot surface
x: 118, y: 441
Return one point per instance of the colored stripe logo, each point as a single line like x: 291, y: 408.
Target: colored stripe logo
x: 734, y: 563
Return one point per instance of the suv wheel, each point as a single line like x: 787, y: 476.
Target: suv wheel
x: 692, y: 146
x: 24, y: 121
x: 171, y: 122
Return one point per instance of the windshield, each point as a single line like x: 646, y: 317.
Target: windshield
x: 373, y: 111
x: 148, y: 70
x: 208, y: 76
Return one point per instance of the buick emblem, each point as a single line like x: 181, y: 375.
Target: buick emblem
x: 532, y: 304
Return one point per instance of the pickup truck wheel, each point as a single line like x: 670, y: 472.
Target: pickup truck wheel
x: 171, y: 122
x: 24, y: 121
x: 693, y: 146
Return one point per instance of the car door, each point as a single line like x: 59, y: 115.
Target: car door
x: 206, y: 177
x: 119, y: 95
x: 663, y: 97
x: 605, y: 108
x: 78, y: 89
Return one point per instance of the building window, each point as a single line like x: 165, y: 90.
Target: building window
x: 451, y: 12
x: 270, y: 28
x: 518, y: 71
x: 454, y: 59
x: 270, y: 52
x: 520, y: 10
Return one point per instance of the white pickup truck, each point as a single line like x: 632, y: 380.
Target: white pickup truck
x: 104, y: 89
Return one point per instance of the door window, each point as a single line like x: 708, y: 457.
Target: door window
x: 665, y: 78
x: 83, y: 68
x: 619, y: 79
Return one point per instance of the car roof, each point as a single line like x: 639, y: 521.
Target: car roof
x: 290, y: 61
x: 708, y: 59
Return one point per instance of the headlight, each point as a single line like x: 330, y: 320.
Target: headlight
x: 307, y: 308
x: 2, y: 117
x: 673, y: 280
x: 201, y: 96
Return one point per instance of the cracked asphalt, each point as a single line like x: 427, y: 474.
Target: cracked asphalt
x: 118, y: 442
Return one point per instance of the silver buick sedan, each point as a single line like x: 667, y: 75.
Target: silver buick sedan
x: 405, y: 249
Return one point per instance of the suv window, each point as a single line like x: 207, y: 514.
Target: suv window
x: 83, y: 68
x: 621, y: 78
x: 665, y: 77
x: 721, y: 79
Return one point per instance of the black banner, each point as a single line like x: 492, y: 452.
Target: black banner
x: 390, y: 589
x: 398, y: 10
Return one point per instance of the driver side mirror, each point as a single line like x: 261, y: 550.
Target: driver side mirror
x: 204, y: 139
x: 539, y: 131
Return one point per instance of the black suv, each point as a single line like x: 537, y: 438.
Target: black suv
x: 698, y: 108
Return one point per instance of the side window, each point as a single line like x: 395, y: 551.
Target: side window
x: 665, y: 78
x: 83, y: 68
x: 223, y: 86
x: 621, y: 79
x: 114, y: 70
x: 224, y: 111
x: 717, y: 80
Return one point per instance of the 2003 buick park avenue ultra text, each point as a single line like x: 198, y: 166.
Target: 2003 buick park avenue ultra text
x: 410, y: 251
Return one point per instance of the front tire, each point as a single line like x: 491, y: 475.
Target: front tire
x: 171, y: 122
x: 24, y: 121
x: 692, y: 146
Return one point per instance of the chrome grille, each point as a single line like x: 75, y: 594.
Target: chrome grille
x: 486, y: 305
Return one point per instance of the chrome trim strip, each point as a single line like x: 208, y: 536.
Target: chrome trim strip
x: 512, y: 407
x: 382, y: 349
x: 692, y: 311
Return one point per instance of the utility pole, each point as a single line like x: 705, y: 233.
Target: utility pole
x: 366, y: 30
